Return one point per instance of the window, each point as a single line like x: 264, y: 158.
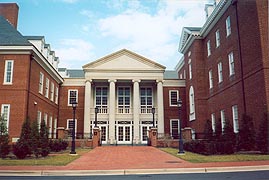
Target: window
x: 217, y: 38
x: 228, y: 26
x: 184, y: 74
x: 208, y: 48
x: 190, y: 69
x: 52, y: 92
x: 45, y: 119
x: 41, y: 81
x: 173, y: 96
x: 70, y: 126
x: 222, y: 118
x: 235, y: 118
x: 56, y: 95
x: 101, y: 98
x: 8, y: 76
x: 146, y: 99
x: 174, y: 128
x: 55, y: 129
x: 231, y: 64
x: 210, y: 75
x: 50, y: 127
x: 220, y: 72
x: 72, y: 96
x: 5, y: 114
x: 124, y: 98
x: 213, y: 121
x: 192, y: 104
x: 39, y: 114
x: 47, y: 88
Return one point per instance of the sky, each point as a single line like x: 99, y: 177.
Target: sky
x: 82, y: 31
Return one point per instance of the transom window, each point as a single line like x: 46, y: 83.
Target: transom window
x: 101, y: 96
x: 72, y: 96
x: 8, y: 76
x: 173, y: 96
x: 124, y: 100
x: 146, y: 99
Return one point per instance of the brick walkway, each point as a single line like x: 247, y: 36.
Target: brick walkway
x: 128, y: 157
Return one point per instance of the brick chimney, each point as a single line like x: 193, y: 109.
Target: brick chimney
x: 10, y: 12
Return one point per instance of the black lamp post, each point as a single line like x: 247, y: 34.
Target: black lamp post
x: 96, y: 112
x: 153, y: 118
x: 73, y: 147
x: 180, y: 146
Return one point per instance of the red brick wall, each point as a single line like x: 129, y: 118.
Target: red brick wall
x: 66, y: 112
x: 172, y: 112
x: 10, y: 12
x: 15, y: 94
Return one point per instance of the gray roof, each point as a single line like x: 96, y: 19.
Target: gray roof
x: 194, y: 28
x: 75, y: 73
x: 34, y: 37
x: 9, y: 36
x: 169, y: 74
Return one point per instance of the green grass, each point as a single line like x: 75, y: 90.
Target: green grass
x: 198, y: 158
x: 57, y: 159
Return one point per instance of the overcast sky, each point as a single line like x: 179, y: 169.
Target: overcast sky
x: 81, y: 31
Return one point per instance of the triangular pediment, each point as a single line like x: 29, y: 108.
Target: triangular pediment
x: 123, y: 60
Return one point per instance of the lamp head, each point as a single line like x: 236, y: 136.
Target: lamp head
x: 153, y: 110
x: 96, y: 110
x: 74, y: 104
x: 179, y: 103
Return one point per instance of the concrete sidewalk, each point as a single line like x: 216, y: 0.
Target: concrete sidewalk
x: 119, y: 160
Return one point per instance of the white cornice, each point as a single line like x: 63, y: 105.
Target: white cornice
x: 180, y: 64
x: 174, y: 83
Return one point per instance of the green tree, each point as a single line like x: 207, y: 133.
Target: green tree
x: 208, y: 132
x: 23, y: 146
x: 262, y: 138
x: 228, y: 138
x: 246, y: 134
x: 4, y: 138
x: 44, y: 140
x: 35, y: 139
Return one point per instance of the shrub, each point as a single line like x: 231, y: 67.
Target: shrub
x: 58, y: 145
x: 4, y: 139
x: 35, y: 139
x: 44, y: 140
x: 23, y: 147
x: 246, y: 134
x: 262, y: 138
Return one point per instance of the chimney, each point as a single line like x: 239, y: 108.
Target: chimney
x: 209, y: 8
x: 10, y: 12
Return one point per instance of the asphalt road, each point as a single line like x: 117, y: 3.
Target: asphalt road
x: 254, y: 175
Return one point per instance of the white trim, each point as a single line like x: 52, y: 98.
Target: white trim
x: 50, y: 127
x: 235, y: 118
x: 47, y: 87
x: 45, y: 118
x: 11, y: 72
x: 231, y: 64
x: 170, y: 92
x: 217, y: 34
x: 41, y: 83
x: 56, y: 95
x: 7, y: 113
x: 125, y: 111
x: 220, y: 74
x: 223, y: 121
x: 210, y: 77
x: 55, y: 128
x: 68, y: 100
x: 192, y: 104
x: 52, y: 91
x: 208, y: 45
x: 178, y: 126
x: 228, y: 26
x: 213, y: 122
x: 39, y: 116
x: 146, y: 105
x: 190, y: 69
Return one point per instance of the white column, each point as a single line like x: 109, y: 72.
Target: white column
x: 112, y: 109
x: 160, y: 106
x: 87, y: 108
x: 136, y: 113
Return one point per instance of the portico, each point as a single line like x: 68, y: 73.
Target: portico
x: 125, y: 87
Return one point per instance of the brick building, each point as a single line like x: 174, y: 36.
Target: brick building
x: 223, y: 74
x: 225, y: 64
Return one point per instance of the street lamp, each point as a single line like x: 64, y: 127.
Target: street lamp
x: 153, y: 113
x: 180, y: 145
x: 73, y: 147
x: 96, y: 112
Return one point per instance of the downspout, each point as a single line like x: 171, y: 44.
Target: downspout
x: 29, y: 83
x: 234, y: 3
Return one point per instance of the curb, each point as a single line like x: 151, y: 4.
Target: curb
x: 131, y: 171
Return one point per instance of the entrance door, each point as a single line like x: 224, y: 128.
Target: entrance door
x: 124, y: 134
x: 104, y: 133
x: 144, y: 133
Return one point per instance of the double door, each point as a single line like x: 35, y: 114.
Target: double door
x: 124, y: 134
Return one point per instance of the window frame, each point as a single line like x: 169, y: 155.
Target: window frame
x: 52, y: 86
x: 125, y: 107
x: 208, y: 45
x: 47, y: 86
x: 41, y: 83
x: 213, y: 122
x: 190, y: 69
x: 231, y: 64
x: 39, y: 119
x: 210, y: 78
x: 171, y: 128
x: 69, y: 90
x: 55, y: 128
x: 56, y: 95
x: 228, y: 26
x: 146, y: 107
x: 217, y: 34
x: 235, y: 118
x: 8, y: 73
x: 3, y: 106
x: 170, y: 97
x: 223, y: 120
x: 192, y: 104
x: 220, y: 74
x: 67, y: 125
x: 103, y: 108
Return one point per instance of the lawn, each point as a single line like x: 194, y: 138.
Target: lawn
x: 56, y: 159
x: 198, y: 158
